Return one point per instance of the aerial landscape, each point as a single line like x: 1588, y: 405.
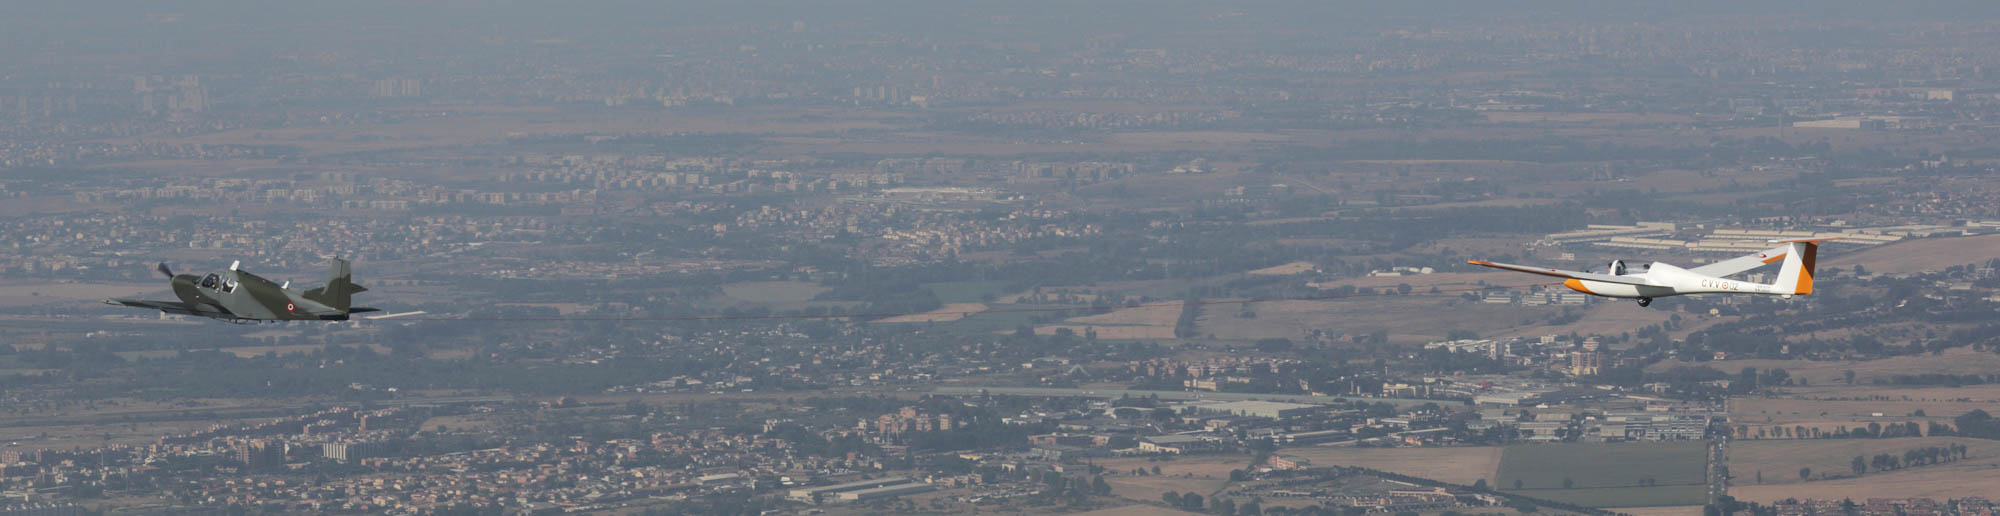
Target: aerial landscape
x: 1108, y: 258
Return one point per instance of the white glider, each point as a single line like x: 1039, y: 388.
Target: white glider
x: 1795, y: 277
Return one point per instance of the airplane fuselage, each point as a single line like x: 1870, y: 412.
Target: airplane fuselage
x: 239, y: 296
x: 242, y: 295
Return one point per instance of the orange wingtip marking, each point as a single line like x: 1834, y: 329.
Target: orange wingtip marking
x: 1577, y: 285
x: 1479, y: 262
x: 1774, y: 258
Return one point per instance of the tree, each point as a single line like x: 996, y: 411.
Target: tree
x: 1746, y: 381
x: 1173, y: 499
x: 1191, y: 502
x: 1479, y: 485
x: 1859, y: 465
x: 1568, y: 483
x: 1849, y: 375
x: 1805, y: 473
x: 1517, y: 484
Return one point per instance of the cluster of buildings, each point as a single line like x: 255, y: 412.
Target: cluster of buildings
x: 1675, y: 237
x: 1210, y: 374
x: 1603, y: 422
x: 908, y: 419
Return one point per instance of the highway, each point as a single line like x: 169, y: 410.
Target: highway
x: 1172, y: 395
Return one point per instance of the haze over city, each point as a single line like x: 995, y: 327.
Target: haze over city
x: 1106, y: 258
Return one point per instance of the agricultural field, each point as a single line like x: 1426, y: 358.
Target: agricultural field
x: 1779, y: 460
x: 1136, y: 510
x: 772, y: 292
x: 1284, y: 270
x: 1290, y: 319
x: 1673, y: 510
x: 968, y: 291
x: 990, y: 322
x: 1457, y: 464
x: 1928, y: 254
x: 1608, y: 475
x: 1964, y: 478
x: 1958, y: 360
x: 1145, y: 322
x: 1203, y: 475
x: 1830, y: 414
x: 946, y: 313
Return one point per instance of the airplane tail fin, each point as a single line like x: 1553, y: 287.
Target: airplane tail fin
x: 339, y: 289
x: 1797, y: 274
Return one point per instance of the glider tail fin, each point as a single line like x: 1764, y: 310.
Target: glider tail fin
x: 1797, y: 274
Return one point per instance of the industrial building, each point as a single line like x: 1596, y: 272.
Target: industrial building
x: 1267, y: 409
x: 889, y: 491
x: 809, y: 494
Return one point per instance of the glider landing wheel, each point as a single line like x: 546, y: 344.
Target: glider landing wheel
x: 1645, y: 301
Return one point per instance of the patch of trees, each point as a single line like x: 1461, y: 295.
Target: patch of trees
x: 1186, y: 502
x: 1910, y: 458
x: 1872, y: 431
x: 1948, y: 380
x: 886, y: 293
x: 1186, y: 327
x: 976, y: 436
x: 1978, y: 423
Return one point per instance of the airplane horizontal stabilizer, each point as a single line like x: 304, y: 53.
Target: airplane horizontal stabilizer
x: 1743, y: 263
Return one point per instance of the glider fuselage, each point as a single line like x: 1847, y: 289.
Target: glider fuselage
x: 1670, y: 281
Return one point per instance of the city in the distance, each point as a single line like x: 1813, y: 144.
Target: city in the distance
x: 1110, y: 258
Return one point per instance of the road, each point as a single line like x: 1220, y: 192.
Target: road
x: 1171, y: 395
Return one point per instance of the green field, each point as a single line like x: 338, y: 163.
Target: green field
x: 1609, y: 475
x: 967, y: 291
x: 772, y: 292
x: 991, y: 322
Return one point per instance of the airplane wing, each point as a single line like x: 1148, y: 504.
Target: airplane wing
x: 172, y: 307
x: 1558, y: 273
x: 1743, y: 263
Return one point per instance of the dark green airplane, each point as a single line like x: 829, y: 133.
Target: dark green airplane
x: 238, y: 296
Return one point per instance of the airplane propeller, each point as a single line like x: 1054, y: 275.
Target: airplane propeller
x: 164, y: 271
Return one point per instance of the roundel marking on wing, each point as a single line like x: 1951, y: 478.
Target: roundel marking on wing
x: 291, y: 308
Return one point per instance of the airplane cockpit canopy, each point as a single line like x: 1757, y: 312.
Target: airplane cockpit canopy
x: 211, y: 281
x: 1621, y: 267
